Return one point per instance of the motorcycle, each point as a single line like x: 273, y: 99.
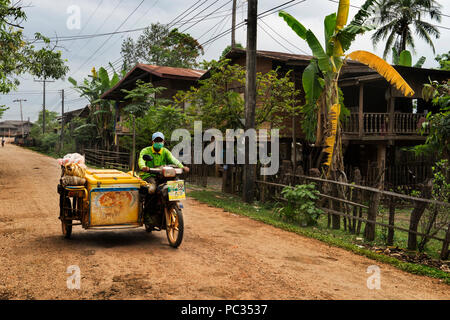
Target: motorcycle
x: 162, y: 208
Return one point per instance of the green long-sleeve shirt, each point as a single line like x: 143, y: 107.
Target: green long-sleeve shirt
x: 163, y: 157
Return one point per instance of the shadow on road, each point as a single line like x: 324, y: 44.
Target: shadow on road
x: 106, y: 239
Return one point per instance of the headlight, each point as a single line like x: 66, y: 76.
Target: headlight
x: 169, y: 172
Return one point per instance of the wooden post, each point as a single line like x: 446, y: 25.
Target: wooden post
x: 233, y: 26
x: 390, y: 236
x: 361, y: 109
x: 391, y: 112
x: 444, y: 251
x: 335, y: 219
x: 250, y: 98
x: 381, y: 164
x: 263, y: 189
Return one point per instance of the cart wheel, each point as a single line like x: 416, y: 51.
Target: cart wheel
x: 174, y: 225
x: 66, y: 225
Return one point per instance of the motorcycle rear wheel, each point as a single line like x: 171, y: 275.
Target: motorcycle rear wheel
x: 174, y: 225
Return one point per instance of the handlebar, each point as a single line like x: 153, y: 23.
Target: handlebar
x: 160, y: 170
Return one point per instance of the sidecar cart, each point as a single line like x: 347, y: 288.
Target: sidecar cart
x: 109, y: 199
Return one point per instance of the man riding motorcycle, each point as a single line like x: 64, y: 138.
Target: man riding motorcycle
x: 159, y: 156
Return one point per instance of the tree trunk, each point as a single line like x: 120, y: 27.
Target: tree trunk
x: 417, y: 213
x: 425, y: 239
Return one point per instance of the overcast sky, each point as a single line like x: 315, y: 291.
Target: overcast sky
x: 50, y: 18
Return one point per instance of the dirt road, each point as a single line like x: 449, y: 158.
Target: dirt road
x: 223, y: 256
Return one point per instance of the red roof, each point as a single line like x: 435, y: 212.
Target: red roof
x: 168, y: 72
x: 158, y: 71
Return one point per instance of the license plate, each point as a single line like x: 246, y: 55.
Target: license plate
x: 176, y: 190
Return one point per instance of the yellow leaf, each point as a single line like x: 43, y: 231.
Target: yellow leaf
x: 342, y: 14
x: 94, y: 73
x: 384, y: 69
x: 338, y: 51
x: 331, y: 138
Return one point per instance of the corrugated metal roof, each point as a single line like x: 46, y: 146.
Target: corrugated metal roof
x: 163, y: 71
x: 159, y: 71
x: 275, y: 55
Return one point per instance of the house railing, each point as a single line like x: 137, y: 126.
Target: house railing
x: 408, y: 123
x: 376, y: 123
x: 379, y: 123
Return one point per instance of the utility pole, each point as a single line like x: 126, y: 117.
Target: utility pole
x: 43, y: 102
x: 233, y: 26
x: 250, y: 98
x: 62, y: 119
x: 21, y: 114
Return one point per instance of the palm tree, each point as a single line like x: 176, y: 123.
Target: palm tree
x: 399, y: 20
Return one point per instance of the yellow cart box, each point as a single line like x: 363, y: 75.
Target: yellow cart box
x: 113, y: 198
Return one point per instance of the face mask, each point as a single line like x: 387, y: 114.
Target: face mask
x: 158, y: 145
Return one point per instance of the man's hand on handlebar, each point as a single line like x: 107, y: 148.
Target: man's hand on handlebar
x: 145, y: 169
x: 186, y: 169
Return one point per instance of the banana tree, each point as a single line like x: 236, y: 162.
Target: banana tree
x: 404, y: 58
x: 101, y: 110
x: 322, y: 110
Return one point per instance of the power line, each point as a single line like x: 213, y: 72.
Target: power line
x: 183, y: 13
x: 89, y: 19
x: 261, y: 15
x: 266, y: 32
x: 216, y: 30
x: 217, y: 27
x: 101, y: 46
x: 203, y: 11
x: 283, y: 37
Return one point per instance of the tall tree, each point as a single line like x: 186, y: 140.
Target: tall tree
x: 217, y: 106
x: 399, y: 20
x: 161, y: 46
x: 18, y: 55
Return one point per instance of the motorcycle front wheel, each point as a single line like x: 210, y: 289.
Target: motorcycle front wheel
x: 174, y: 225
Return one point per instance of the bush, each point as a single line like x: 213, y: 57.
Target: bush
x: 301, y: 204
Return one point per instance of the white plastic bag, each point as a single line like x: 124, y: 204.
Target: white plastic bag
x: 72, y: 158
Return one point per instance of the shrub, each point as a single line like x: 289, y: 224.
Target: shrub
x: 300, y: 204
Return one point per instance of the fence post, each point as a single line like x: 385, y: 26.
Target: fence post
x: 374, y: 201
x: 390, y: 237
x: 335, y: 219
x: 444, y: 251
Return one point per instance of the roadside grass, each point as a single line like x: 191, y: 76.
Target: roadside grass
x: 338, y: 238
x: 51, y: 154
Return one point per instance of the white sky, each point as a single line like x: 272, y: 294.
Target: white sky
x: 49, y: 17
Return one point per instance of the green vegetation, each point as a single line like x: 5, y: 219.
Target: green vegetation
x: 400, y: 20
x: 218, y: 106
x: 151, y: 115
x: 158, y: 45
x: 19, y: 55
x: 300, y: 204
x: 337, y: 238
